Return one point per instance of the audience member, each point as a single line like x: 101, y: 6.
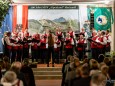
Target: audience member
x: 98, y: 79
x: 111, y: 70
x: 94, y: 67
x: 28, y: 73
x: 107, y: 61
x: 104, y: 70
x: 7, y: 62
x: 85, y: 78
x: 71, y: 71
x: 16, y: 67
x: 64, y: 68
x: 101, y: 58
x: 10, y: 79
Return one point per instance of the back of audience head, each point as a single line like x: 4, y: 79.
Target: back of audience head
x: 70, y: 58
x: 16, y: 66
x: 101, y: 58
x: 9, y: 77
x: 94, y: 64
x: 104, y: 70
x: 84, y: 71
x: 106, y: 61
x: 6, y: 62
x: 6, y: 59
x: 76, y: 62
x: 26, y: 62
x: 2, y: 65
x: 98, y: 79
x: 86, y: 60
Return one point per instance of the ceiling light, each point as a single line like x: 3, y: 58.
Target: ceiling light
x: 106, y: 1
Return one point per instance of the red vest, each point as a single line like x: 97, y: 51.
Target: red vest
x: 93, y: 45
x: 9, y: 47
x: 100, y: 45
x: 43, y: 43
x: 71, y: 34
x: 108, y: 43
x: 45, y: 35
x: 37, y: 36
x: 58, y: 43
x: 26, y: 44
x: 80, y: 44
x: 14, y: 47
x: 35, y: 46
x: 68, y: 45
x: 20, y: 47
x: 92, y: 34
x: 59, y: 35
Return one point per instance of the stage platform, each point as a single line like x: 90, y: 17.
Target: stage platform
x: 42, y: 72
x: 50, y: 65
x: 48, y: 82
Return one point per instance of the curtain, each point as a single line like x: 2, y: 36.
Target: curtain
x: 14, y: 17
x: 24, y: 17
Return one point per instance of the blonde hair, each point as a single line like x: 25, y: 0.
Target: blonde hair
x: 16, y: 64
x: 94, y: 64
x: 9, y: 76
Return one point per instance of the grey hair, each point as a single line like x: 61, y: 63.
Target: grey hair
x: 9, y: 76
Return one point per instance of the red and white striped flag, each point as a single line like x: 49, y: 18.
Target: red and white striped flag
x: 20, y: 16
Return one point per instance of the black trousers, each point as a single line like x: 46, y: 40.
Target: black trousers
x: 34, y: 53
x: 25, y: 53
x: 101, y: 51
x: 94, y: 53
x: 69, y: 51
x: 50, y: 54
x: 108, y: 48
x: 19, y: 54
x: 61, y: 50
x: 14, y: 55
x: 39, y: 52
x: 81, y: 54
x: 7, y: 52
x: 43, y: 55
x: 56, y: 55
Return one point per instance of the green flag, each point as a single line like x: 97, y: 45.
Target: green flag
x: 102, y: 18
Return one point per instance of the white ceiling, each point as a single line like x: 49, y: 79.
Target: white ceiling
x: 63, y: 1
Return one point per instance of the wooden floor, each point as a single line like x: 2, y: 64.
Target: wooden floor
x: 48, y: 82
x: 50, y: 65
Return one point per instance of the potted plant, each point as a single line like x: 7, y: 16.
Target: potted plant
x: 4, y: 6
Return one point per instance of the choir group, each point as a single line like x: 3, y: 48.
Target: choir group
x: 18, y: 45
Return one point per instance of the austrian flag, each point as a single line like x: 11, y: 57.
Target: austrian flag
x: 20, y: 16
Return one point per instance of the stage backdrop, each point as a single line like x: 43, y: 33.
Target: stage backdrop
x: 52, y: 16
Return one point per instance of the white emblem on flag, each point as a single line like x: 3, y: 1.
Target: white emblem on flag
x: 101, y: 20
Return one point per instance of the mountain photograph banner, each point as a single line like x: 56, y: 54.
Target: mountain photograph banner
x: 102, y: 18
x: 41, y: 17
